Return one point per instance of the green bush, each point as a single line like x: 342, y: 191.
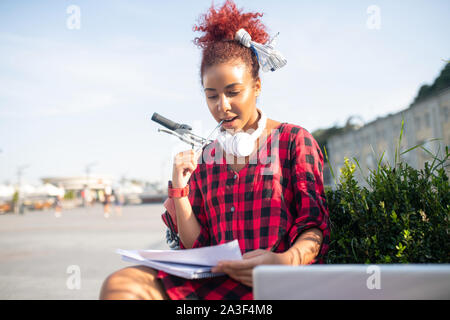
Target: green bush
x: 402, y: 217
x: 69, y: 195
x: 15, y: 198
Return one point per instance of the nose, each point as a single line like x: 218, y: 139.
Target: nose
x: 223, y: 105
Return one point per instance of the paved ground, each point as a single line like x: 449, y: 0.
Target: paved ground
x: 37, y: 249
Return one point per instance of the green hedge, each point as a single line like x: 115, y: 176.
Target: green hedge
x: 402, y: 217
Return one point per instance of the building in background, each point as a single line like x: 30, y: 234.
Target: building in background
x: 86, y: 190
x: 424, y: 120
x: 77, y: 184
x: 83, y: 189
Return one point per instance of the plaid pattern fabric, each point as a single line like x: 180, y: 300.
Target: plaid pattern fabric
x: 266, y: 205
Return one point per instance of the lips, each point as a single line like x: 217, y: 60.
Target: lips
x: 229, y: 123
x: 229, y: 119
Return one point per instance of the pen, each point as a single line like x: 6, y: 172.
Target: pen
x: 207, y: 139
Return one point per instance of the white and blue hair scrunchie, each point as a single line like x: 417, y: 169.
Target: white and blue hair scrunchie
x: 269, y: 59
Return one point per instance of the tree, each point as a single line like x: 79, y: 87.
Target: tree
x: 322, y: 135
x: 440, y: 83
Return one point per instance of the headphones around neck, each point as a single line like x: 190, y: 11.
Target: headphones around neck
x: 242, y: 144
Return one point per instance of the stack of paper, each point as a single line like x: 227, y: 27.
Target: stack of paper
x: 187, y: 263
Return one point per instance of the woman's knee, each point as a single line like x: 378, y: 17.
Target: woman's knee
x: 132, y: 283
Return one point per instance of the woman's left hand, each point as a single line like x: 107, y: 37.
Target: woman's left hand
x: 242, y: 270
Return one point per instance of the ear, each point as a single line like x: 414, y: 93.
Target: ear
x: 257, y: 87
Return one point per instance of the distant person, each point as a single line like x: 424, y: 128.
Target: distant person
x: 118, y: 200
x: 100, y: 197
x: 88, y: 198
x: 107, y: 205
x: 58, y: 206
x: 84, y: 196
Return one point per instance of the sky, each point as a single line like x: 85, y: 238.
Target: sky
x: 81, y: 89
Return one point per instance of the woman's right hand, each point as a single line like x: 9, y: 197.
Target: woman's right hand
x: 184, y: 165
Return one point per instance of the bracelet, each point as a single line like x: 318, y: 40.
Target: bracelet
x: 177, y: 192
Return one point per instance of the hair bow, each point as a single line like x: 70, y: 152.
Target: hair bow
x: 269, y: 59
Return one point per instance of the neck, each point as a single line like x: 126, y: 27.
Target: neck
x: 253, y: 122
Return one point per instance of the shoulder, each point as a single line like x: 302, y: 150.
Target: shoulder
x: 300, y: 141
x: 298, y: 134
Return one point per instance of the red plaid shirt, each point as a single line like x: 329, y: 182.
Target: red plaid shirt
x: 266, y: 205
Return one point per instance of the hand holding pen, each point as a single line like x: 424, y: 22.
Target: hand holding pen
x: 185, y: 163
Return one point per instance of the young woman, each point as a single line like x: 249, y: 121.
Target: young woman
x: 276, y: 209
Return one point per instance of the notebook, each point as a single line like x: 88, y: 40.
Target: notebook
x: 187, y: 263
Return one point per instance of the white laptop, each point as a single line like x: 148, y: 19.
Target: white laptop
x: 352, y: 282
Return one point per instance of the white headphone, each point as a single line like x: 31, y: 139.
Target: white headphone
x: 241, y: 144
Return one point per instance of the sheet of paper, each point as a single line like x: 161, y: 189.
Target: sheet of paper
x: 187, y: 271
x: 170, y: 265
x: 205, y: 256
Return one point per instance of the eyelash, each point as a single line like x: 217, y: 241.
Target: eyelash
x: 231, y: 93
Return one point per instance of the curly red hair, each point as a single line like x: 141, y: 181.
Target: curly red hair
x: 220, y: 27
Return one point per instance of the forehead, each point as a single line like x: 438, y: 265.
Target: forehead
x: 221, y: 75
